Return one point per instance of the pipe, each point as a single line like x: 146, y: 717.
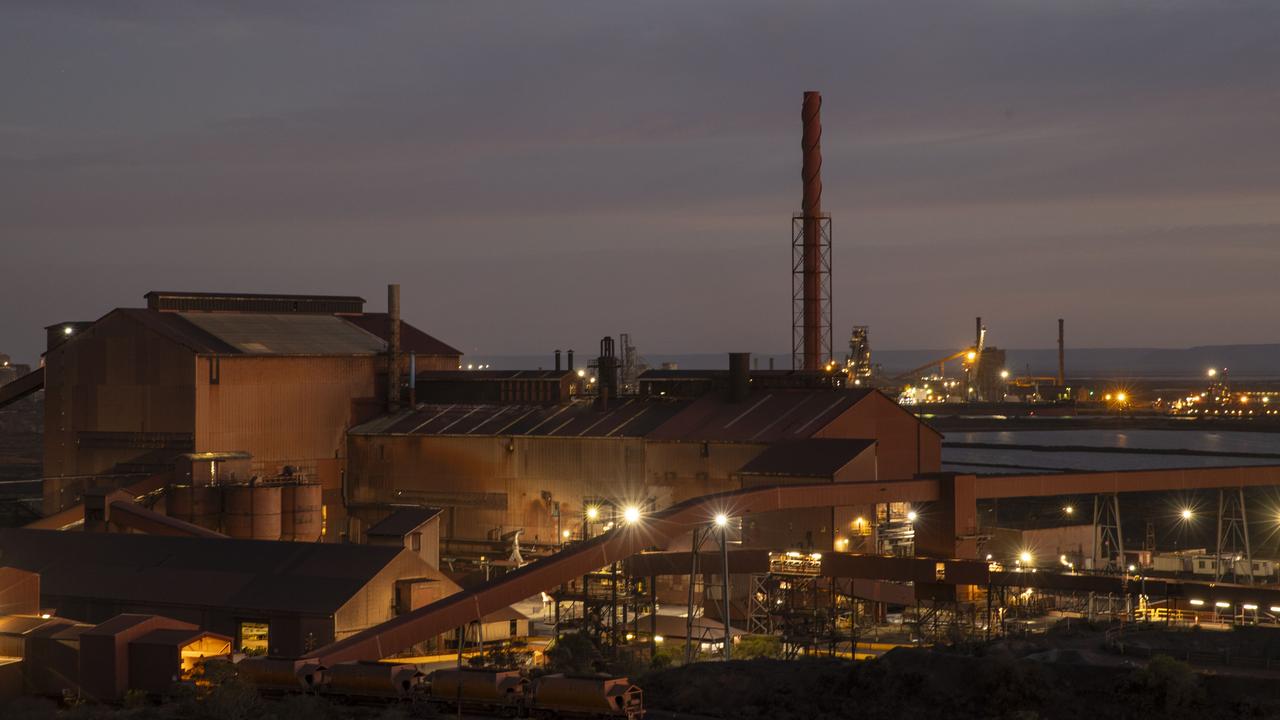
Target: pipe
x: 811, y: 210
x: 557, y: 359
x: 1062, y: 362
x: 570, y: 359
x: 739, y: 376
x: 413, y: 379
x: 393, y: 347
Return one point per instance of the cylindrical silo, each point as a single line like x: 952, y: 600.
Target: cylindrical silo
x: 251, y: 512
x: 197, y: 504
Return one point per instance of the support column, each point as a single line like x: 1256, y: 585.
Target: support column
x: 1108, y: 536
x: 1233, y: 535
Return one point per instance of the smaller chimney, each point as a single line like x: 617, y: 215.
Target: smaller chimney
x: 557, y: 360
x: 570, y: 359
x: 393, y: 347
x: 1062, y: 358
x: 977, y: 331
x: 739, y: 376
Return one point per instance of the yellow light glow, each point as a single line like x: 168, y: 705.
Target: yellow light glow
x: 1212, y: 372
x: 1025, y: 557
x: 1069, y: 510
x: 593, y: 512
x: 658, y: 639
x: 566, y: 534
x: 1004, y: 374
x: 1186, y: 513
x: 972, y: 356
x: 911, y: 516
x: 722, y: 520
x: 582, y: 373
x: 631, y: 514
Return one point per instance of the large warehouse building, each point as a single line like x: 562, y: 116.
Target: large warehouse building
x: 499, y: 468
x: 279, y: 377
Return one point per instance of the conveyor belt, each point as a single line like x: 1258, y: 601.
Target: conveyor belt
x: 655, y: 530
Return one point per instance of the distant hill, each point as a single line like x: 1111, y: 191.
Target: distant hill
x: 1243, y: 361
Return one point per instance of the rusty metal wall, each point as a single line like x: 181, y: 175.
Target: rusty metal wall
x: 496, y: 484
x: 904, y: 446
x: 282, y: 410
x: 119, y: 379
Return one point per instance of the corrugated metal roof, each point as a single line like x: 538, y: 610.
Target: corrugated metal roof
x: 232, y: 333
x: 810, y: 457
x: 176, y: 638
x: 297, y: 334
x: 411, y: 338
x: 151, y: 570
x: 491, y: 375
x: 765, y: 416
x: 403, y: 521
x: 628, y: 418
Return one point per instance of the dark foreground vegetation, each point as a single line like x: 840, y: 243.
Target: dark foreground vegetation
x: 1018, y: 680
x: 909, y: 683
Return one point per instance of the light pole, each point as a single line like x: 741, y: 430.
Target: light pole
x: 722, y: 522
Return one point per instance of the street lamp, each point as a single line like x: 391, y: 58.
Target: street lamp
x: 593, y: 513
x: 911, y: 516
x: 1025, y: 557
x: 631, y: 514
x: 1186, y: 513
x: 722, y: 520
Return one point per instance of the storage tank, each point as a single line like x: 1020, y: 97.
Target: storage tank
x: 197, y: 504
x: 590, y: 696
x: 251, y: 512
x: 372, y: 679
x: 300, y: 514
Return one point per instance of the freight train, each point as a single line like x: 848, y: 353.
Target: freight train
x: 502, y: 693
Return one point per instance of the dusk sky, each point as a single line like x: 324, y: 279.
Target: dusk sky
x: 537, y: 175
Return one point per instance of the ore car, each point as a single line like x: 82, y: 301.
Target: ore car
x: 560, y: 696
x: 487, y: 692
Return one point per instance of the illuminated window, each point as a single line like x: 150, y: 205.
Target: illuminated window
x: 253, y: 637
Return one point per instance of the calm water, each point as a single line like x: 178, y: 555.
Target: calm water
x: 964, y: 459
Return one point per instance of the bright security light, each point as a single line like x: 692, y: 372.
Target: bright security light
x: 1186, y: 513
x: 631, y: 514
x: 67, y: 330
x: 1212, y: 372
x: 593, y: 512
x: 1025, y: 556
x: 722, y: 520
x: 911, y: 516
x: 1070, y: 510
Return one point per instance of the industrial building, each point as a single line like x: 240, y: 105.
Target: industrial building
x: 279, y: 378
x: 497, y: 469
x: 268, y: 597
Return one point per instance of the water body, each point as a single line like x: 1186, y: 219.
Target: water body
x: 1015, y: 460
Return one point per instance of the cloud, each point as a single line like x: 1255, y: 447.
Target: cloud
x: 974, y: 152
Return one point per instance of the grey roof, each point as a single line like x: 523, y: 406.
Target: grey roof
x: 810, y: 457
x: 152, y: 570
x: 294, y: 334
x: 627, y: 418
x: 252, y: 333
x: 412, y: 340
x: 403, y: 521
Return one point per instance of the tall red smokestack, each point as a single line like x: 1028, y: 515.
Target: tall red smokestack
x: 811, y: 209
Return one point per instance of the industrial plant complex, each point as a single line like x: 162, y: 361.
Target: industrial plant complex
x: 335, y: 501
